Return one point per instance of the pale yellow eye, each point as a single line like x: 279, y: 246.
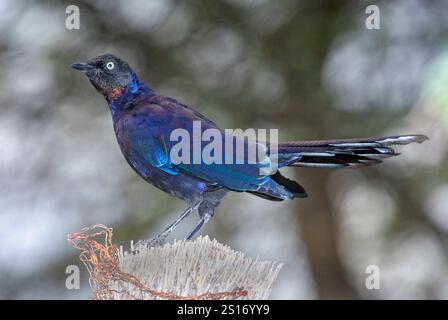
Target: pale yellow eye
x: 110, y: 65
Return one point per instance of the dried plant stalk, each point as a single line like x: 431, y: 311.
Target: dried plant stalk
x: 199, y: 269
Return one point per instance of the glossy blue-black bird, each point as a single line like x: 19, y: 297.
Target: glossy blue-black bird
x: 144, y: 121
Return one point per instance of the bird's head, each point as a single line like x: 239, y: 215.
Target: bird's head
x: 110, y: 75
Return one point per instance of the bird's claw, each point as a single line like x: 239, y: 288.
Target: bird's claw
x: 152, y: 243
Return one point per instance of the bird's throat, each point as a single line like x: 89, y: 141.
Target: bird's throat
x: 115, y: 94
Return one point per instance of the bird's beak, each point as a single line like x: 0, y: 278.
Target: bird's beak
x: 84, y: 67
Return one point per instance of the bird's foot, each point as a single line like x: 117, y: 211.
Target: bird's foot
x: 152, y: 243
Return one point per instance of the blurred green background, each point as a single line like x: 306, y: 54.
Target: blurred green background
x: 309, y: 68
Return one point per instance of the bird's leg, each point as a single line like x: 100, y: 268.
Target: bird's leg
x: 206, y: 208
x: 171, y: 227
x: 160, y: 239
x: 204, y: 219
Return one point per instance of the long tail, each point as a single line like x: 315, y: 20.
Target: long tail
x: 341, y: 153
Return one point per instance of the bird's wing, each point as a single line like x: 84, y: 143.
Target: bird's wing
x: 152, y: 149
x: 153, y: 139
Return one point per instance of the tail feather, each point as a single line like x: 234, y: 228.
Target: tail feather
x: 292, y: 186
x: 280, y: 188
x: 341, y: 153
